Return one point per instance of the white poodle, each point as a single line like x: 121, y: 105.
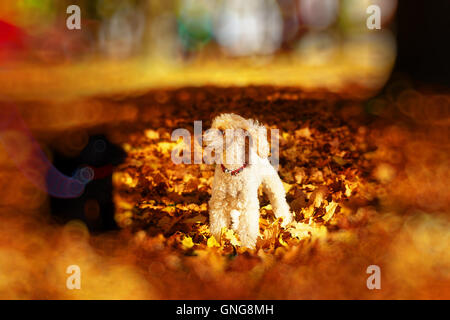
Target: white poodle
x: 240, y: 149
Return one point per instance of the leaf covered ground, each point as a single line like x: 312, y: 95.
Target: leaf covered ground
x: 352, y: 176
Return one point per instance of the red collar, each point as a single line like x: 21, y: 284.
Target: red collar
x: 234, y: 172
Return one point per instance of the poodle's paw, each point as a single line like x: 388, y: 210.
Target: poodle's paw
x: 287, y: 219
x: 286, y: 215
x: 247, y: 239
x: 248, y: 243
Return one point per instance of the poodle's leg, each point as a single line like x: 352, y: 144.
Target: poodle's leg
x: 248, y: 229
x: 218, y: 216
x: 273, y: 186
x: 234, y: 214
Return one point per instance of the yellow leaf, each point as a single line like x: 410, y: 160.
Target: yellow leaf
x: 187, y: 243
x: 165, y: 147
x: 299, y: 231
x: 318, y: 196
x: 302, y: 231
x: 308, y: 212
x: 339, y: 160
x: 287, y: 186
x: 151, y: 134
x: 212, y: 242
x: 124, y: 179
x: 282, y: 242
x: 229, y: 234
x: 303, y: 133
x: 348, y: 190
x: 169, y: 209
x: 267, y: 207
x: 330, y: 209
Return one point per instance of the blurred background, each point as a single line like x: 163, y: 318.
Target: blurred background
x: 136, y: 44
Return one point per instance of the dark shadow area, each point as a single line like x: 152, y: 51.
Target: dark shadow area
x: 94, y: 165
x: 422, y: 36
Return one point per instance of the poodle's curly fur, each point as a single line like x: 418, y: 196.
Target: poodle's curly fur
x: 234, y: 199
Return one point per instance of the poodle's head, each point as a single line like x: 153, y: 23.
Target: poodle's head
x: 235, y: 140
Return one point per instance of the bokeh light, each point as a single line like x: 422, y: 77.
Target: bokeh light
x: 249, y: 28
x: 318, y: 14
x: 190, y: 42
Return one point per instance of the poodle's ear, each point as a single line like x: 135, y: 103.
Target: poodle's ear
x: 259, y: 138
